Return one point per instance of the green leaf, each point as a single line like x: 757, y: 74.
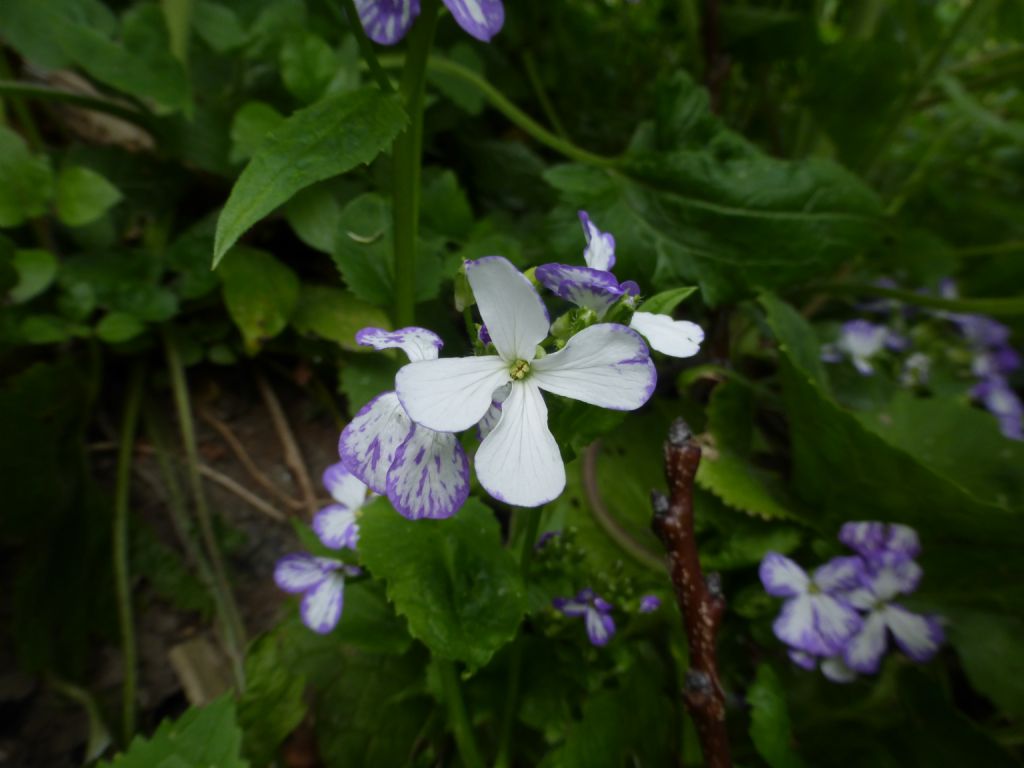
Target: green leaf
x: 327, y: 139
x: 366, y: 376
x: 663, y: 303
x: 369, y: 622
x: 37, y: 269
x: 315, y: 216
x: 260, y: 293
x: 250, y: 128
x: 27, y: 180
x: 990, y: 650
x: 446, y: 209
x: 202, y: 737
x: 218, y: 26
x: 83, y: 195
x: 307, y: 66
x: 273, y: 704
x: 770, y: 728
x: 335, y: 315
x: 47, y: 329
x: 118, y: 327
x: 459, y: 589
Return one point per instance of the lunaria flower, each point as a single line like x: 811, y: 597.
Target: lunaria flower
x: 387, y: 21
x: 832, y: 667
x: 649, y: 603
x: 999, y: 399
x: 321, y: 581
x: 596, y: 612
x: 337, y: 525
x: 595, y: 288
x: 881, y: 542
x: 518, y: 461
x: 815, y: 618
x: 860, y: 341
x: 424, y: 473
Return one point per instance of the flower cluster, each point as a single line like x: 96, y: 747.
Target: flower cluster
x: 596, y: 613
x: 387, y: 21
x: 842, y: 614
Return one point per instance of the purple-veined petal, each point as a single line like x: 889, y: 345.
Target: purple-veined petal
x: 600, y: 627
x: 369, y: 442
x: 321, y: 607
x: 483, y: 19
x: 519, y: 462
x: 417, y: 343
x: 675, y: 338
x: 592, y: 289
x: 387, y: 21
x: 600, y: 250
x: 649, y: 603
x: 874, y: 540
x: 337, y: 527
x: 917, y: 636
x: 864, y: 537
x: 835, y: 621
x: 300, y: 572
x: 344, y: 487
x: 607, y: 365
x: 510, y: 307
x: 450, y: 394
x: 570, y: 606
x: 490, y: 419
x: 803, y: 659
x: 839, y: 573
x: 601, y: 604
x: 864, y: 651
x: 891, y: 579
x: 781, y: 576
x: 430, y: 475
x: 795, y: 625
x: 835, y: 669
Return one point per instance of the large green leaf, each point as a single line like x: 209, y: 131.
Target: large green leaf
x: 27, y: 180
x: 992, y: 655
x: 769, y: 720
x: 326, y: 139
x: 260, y: 293
x: 459, y: 589
x: 273, y: 703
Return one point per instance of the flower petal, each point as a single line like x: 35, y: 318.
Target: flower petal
x: 795, y: 625
x: 510, y: 306
x: 450, y: 394
x: 321, y: 607
x: 865, y: 650
x: 600, y: 250
x: 369, y: 442
x: 519, y: 462
x: 299, y: 572
x: 917, y: 636
x: 835, y: 621
x: 781, y: 576
x: 839, y: 573
x: 417, y: 343
x: 803, y: 659
x: 607, y: 365
x: 676, y: 338
x: 430, y: 476
x: 600, y: 627
x: 570, y: 606
x: 649, y: 603
x: 863, y: 537
x: 483, y: 19
x: 835, y: 669
x: 387, y: 21
x: 336, y: 526
x: 592, y: 289
x: 344, y: 487
x: 899, y: 578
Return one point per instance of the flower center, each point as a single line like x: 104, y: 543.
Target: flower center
x: 519, y: 370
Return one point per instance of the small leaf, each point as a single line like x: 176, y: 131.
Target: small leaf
x: 83, y: 195
x: 218, y: 26
x: 307, y: 66
x: 27, y: 181
x: 250, y: 128
x: 335, y: 315
x: 36, y: 270
x: 459, y: 589
x: 315, y: 216
x: 663, y: 303
x: 327, y: 139
x: 118, y: 327
x: 260, y: 293
x: 769, y: 720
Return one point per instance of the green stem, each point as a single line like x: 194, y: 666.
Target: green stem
x: 408, y: 168
x: 997, y: 307
x: 995, y: 249
x: 365, y: 45
x: 234, y: 630
x: 15, y: 89
x: 458, y: 717
x: 122, y: 578
x: 542, y: 95
x: 28, y: 125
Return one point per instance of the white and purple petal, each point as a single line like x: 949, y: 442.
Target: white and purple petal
x: 649, y: 603
x: 321, y: 606
x: 803, y: 659
x: 430, y: 475
x: 417, y: 343
x: 301, y: 572
x: 600, y: 250
x: 917, y: 636
x: 570, y: 606
x: 839, y: 573
x: 863, y: 653
x: 592, y: 289
x: 606, y: 365
x: 795, y: 625
x: 875, y: 540
x: 337, y: 527
x: 483, y: 19
x: 782, y: 577
x: 675, y: 338
x: 369, y: 442
x: 344, y: 487
x: 510, y: 307
x: 387, y: 21
x: 487, y: 424
x: 453, y: 393
x: 835, y: 621
x: 600, y: 627
x: 888, y: 580
x: 835, y: 669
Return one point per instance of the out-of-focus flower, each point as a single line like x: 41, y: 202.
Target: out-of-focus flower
x: 321, y: 581
x: 387, y: 21
x: 649, y: 603
x: 594, y: 610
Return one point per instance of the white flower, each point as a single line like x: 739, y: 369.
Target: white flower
x: 518, y: 461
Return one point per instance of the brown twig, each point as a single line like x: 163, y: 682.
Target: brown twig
x: 292, y: 455
x: 700, y: 600
x: 716, y: 64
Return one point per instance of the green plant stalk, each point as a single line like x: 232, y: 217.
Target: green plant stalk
x: 15, y: 90
x: 234, y: 630
x: 458, y: 717
x: 365, y: 45
x: 408, y: 168
x: 122, y: 578
x: 546, y: 104
x: 1001, y: 307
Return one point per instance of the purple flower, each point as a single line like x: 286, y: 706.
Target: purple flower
x: 859, y: 340
x: 387, y: 21
x: 595, y: 611
x: 321, y: 581
x: 881, y: 542
x: 545, y: 538
x: 337, y: 525
x: 832, y: 667
x: 592, y: 289
x: 1002, y: 402
x: 815, y: 618
x: 649, y: 603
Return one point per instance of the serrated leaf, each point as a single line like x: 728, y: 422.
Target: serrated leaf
x: 83, y: 195
x: 769, y: 720
x: 273, y: 704
x: 28, y: 181
x: 459, y: 589
x: 741, y: 485
x: 335, y: 315
x: 326, y: 139
x: 663, y: 303
x: 260, y: 293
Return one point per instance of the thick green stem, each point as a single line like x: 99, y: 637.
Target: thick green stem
x: 365, y: 45
x: 234, y: 630
x: 458, y: 718
x: 122, y: 578
x: 997, y: 307
x: 408, y: 157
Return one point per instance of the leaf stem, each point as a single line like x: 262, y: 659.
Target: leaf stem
x: 408, y: 167
x: 999, y: 307
x: 458, y: 716
x: 15, y: 89
x: 122, y: 577
x: 365, y: 45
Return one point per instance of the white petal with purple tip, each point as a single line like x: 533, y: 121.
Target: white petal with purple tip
x: 835, y: 622
x: 321, y: 607
x: 803, y: 659
x: 299, y: 572
x: 600, y: 250
x: 510, y: 307
x: 836, y: 670
x: 917, y: 636
x: 344, y: 487
x: 606, y: 365
x: 387, y: 21
x: 570, y: 607
x: 589, y: 288
x: 369, y: 442
x: 417, y: 343
x: 483, y: 19
x: 839, y: 573
x: 781, y: 576
x: 336, y: 526
x: 900, y: 578
x: 864, y: 651
x: 430, y: 476
x: 450, y: 394
x: 676, y: 338
x: 600, y: 627
x: 795, y: 625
